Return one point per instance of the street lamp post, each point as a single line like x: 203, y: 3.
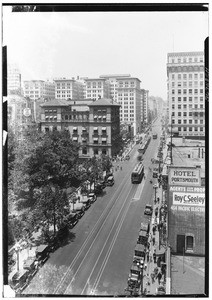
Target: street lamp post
x: 17, y: 248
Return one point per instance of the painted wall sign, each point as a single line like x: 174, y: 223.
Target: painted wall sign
x: 194, y: 199
x: 184, y: 176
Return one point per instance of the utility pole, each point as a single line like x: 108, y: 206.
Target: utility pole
x: 171, y: 142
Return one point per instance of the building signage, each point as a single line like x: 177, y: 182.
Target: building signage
x: 188, y: 199
x: 184, y: 176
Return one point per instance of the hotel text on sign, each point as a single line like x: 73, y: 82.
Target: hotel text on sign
x: 184, y: 176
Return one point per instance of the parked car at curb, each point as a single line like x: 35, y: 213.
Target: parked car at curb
x: 160, y: 290
x: 148, y: 210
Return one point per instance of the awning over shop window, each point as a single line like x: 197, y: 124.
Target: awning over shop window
x: 74, y: 128
x: 95, y: 128
x: 75, y: 138
x: 95, y: 139
x: 104, y: 139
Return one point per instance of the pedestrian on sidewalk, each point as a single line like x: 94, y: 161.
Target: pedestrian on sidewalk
x: 154, y: 257
x: 153, y: 241
x: 153, y: 277
x: 159, y: 276
x: 147, y: 256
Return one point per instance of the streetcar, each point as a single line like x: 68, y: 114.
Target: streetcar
x: 138, y: 173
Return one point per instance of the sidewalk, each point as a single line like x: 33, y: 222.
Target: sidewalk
x: 153, y: 267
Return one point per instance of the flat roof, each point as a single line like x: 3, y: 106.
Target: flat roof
x: 104, y: 102
x: 187, y: 275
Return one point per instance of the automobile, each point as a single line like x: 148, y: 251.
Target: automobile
x: 160, y: 290
x: 110, y: 181
x: 148, y: 210
x: 98, y: 189
x: 127, y: 157
x: 92, y: 197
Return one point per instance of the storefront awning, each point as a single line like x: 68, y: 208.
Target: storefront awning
x: 103, y: 128
x: 104, y: 139
x: 75, y: 138
x: 95, y: 128
x: 95, y: 139
x: 74, y: 128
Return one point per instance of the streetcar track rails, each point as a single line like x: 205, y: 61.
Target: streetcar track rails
x: 94, y: 231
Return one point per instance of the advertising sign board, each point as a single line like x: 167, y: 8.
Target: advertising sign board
x: 187, y: 199
x: 184, y: 176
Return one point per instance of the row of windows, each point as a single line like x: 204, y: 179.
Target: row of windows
x: 190, y: 91
x: 94, y: 84
x: 189, y: 76
x: 190, y: 99
x: 191, y: 129
x: 188, y: 122
x: 187, y: 59
x: 186, y: 106
x: 185, y: 83
x: 190, y: 114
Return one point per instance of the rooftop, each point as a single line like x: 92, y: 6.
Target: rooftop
x: 187, y: 275
x: 104, y: 102
x: 55, y: 102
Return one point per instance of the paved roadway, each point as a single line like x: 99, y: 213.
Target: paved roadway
x: 98, y: 257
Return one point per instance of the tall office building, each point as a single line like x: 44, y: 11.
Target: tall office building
x: 96, y: 88
x: 125, y: 90
x: 39, y: 89
x: 144, y: 106
x: 185, y: 71
x: 13, y: 79
x: 68, y: 88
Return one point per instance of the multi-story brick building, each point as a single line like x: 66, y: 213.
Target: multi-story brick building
x: 185, y: 71
x: 95, y: 125
x: 68, y: 89
x: 39, y: 89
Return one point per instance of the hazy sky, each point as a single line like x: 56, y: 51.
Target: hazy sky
x: 46, y: 45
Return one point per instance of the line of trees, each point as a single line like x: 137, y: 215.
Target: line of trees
x: 41, y: 167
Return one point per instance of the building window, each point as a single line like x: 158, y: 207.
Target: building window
x: 184, y: 106
x: 184, y: 76
x: 190, y: 114
x: 179, y: 121
x: 172, y: 92
x: 201, y: 128
x: 179, y: 99
x: 179, y: 91
x: 46, y: 129
x: 201, y: 91
x: 179, y: 114
x: 195, y: 91
x: 179, y: 106
x: 179, y: 128
x: 84, y: 150
x: 190, y: 91
x: 185, y: 114
x: 172, y: 99
x: 184, y: 91
x: 190, y: 99
x: 184, y: 99
x: 190, y: 128
x: 172, y: 76
x: 195, y: 129
x: 184, y: 128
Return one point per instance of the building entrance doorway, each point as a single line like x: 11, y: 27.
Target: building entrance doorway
x: 180, y: 243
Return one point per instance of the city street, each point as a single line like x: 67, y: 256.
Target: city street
x: 98, y: 258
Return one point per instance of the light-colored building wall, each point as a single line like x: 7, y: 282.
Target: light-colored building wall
x: 39, y: 89
x: 96, y: 88
x: 13, y: 79
x: 186, y: 93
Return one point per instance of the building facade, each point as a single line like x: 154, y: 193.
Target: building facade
x: 20, y: 115
x: 144, y: 106
x: 126, y: 91
x: 186, y: 211
x: 68, y: 89
x: 95, y: 125
x: 39, y: 89
x: 96, y: 88
x: 186, y: 93
x: 13, y: 80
